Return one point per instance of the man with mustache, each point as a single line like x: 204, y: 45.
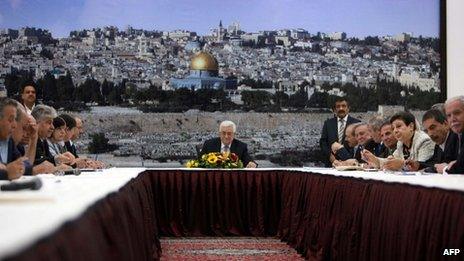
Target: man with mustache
x: 334, y: 129
x: 28, y: 97
x: 446, y: 148
x: 454, y: 109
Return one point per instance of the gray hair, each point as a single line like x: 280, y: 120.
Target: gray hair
x: 6, y: 102
x: 376, y: 122
x: 42, y: 112
x: 453, y: 99
x: 438, y: 106
x: 20, y: 111
x: 359, y: 124
x: 228, y: 124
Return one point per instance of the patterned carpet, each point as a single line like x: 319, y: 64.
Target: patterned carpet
x: 226, y: 248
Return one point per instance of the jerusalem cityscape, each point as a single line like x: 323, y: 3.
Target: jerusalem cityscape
x: 276, y: 85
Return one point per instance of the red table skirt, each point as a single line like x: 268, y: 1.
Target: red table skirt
x: 324, y: 217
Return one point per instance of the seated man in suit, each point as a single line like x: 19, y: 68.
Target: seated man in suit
x: 346, y: 151
x: 375, y: 123
x: 12, y: 162
x: 71, y: 130
x: 446, y: 142
x: 75, y: 129
x: 365, y: 141
x: 334, y: 128
x: 227, y: 143
x: 44, y: 116
x: 388, y: 139
x: 24, y: 138
x: 454, y: 109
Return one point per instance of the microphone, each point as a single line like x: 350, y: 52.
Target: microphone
x: 33, y: 184
x: 72, y: 172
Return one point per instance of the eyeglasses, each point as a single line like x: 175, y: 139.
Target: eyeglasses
x: 227, y: 133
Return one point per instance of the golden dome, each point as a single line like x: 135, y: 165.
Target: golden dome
x: 203, y: 61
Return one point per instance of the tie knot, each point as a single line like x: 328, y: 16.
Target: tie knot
x: 341, y: 120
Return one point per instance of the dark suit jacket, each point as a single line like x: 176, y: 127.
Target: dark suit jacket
x: 458, y: 166
x: 439, y: 156
x: 370, y: 146
x: 381, y: 151
x: 237, y: 147
x: 71, y: 148
x: 345, y: 153
x: 329, y: 135
x: 3, y: 174
x: 15, y: 152
x: 43, y: 153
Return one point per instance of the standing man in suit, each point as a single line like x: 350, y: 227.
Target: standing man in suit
x: 28, y: 97
x: 226, y: 142
x: 454, y: 109
x: 334, y: 128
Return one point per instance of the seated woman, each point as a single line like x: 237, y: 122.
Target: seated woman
x: 413, y: 144
x: 56, y: 143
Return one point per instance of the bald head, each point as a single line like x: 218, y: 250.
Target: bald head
x: 350, y: 138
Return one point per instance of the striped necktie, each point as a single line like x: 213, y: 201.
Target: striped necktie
x: 341, y: 130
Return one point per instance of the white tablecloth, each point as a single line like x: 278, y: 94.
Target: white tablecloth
x: 448, y: 182
x: 27, y: 216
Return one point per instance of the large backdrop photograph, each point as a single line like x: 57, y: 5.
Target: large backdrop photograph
x: 153, y: 79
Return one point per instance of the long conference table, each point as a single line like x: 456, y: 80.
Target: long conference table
x: 325, y: 214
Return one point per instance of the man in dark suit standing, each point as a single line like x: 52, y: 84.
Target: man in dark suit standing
x: 28, y: 97
x: 334, y: 128
x: 226, y: 142
x: 454, y: 109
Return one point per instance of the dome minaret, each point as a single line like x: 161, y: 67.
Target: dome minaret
x: 220, y: 31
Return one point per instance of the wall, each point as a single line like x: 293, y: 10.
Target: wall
x: 455, y: 47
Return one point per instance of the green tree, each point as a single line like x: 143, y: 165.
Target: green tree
x: 256, y: 99
x: 100, y: 143
x: 106, y: 88
x: 49, y: 87
x: 65, y: 88
x: 299, y: 99
x: 281, y: 99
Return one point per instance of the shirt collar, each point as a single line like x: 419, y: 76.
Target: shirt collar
x: 442, y: 146
x: 344, y: 118
x: 27, y: 108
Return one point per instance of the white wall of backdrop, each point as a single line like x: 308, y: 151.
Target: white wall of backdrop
x: 455, y: 47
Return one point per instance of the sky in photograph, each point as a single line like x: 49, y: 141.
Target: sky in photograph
x: 355, y: 17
